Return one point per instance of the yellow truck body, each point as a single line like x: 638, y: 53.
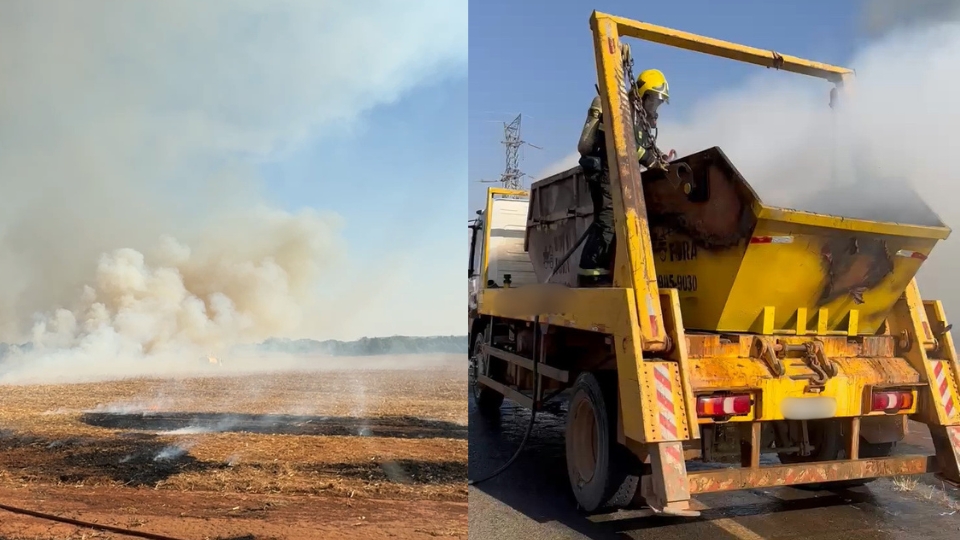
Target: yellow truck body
x: 802, y: 334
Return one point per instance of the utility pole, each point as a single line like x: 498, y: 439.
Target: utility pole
x: 511, y: 178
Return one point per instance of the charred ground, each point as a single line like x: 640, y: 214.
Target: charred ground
x: 333, y: 440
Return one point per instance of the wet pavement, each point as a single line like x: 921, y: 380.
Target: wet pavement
x: 532, y: 499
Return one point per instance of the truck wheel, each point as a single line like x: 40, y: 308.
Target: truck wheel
x: 602, y: 472
x: 487, y: 399
x: 827, y: 438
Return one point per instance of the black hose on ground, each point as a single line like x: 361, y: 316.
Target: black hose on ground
x: 85, y: 524
x: 533, y: 409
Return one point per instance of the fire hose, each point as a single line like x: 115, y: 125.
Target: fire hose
x: 86, y: 524
x: 533, y: 410
x: 536, y: 378
x: 679, y: 177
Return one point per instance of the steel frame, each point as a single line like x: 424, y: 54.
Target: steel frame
x: 669, y: 487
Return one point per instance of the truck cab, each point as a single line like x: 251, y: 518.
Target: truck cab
x: 498, y: 256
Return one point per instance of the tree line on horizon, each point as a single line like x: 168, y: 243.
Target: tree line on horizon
x: 367, y: 346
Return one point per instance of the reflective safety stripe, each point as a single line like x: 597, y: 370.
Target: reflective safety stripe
x: 593, y: 272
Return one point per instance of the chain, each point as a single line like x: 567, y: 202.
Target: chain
x: 640, y: 119
x: 835, y: 134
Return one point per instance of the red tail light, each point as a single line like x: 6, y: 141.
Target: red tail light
x: 892, y: 400
x: 724, y: 405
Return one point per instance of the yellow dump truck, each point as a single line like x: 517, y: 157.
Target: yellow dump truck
x: 733, y: 329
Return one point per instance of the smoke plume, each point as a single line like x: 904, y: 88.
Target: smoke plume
x: 133, y: 222
x: 244, y: 284
x: 882, y: 16
x: 895, y: 132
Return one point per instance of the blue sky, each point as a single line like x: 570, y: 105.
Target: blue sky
x: 535, y: 57
x: 396, y: 178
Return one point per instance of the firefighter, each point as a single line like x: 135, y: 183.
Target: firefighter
x: 597, y: 252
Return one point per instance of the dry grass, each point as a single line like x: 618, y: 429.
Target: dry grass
x: 148, y: 433
x: 937, y: 494
x: 905, y: 484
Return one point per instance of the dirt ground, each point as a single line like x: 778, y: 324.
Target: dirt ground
x: 369, y: 453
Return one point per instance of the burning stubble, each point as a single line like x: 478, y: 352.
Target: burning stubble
x: 160, y: 313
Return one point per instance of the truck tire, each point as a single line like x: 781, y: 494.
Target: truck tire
x: 602, y: 472
x: 827, y: 438
x: 487, y: 399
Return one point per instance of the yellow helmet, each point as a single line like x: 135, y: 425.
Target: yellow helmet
x: 653, y: 81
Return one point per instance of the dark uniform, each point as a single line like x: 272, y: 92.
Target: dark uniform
x: 596, y: 257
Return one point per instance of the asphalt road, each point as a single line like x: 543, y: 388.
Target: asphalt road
x: 532, y: 499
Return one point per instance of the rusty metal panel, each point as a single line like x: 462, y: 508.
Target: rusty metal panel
x: 878, y: 346
x: 716, y: 345
x: 790, y: 475
x: 703, y: 345
x: 717, y: 373
x: 854, y: 265
x: 878, y: 371
x: 717, y: 213
x: 560, y: 211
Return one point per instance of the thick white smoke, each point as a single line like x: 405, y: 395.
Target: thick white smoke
x: 132, y: 221
x: 222, y: 292
x: 897, y: 130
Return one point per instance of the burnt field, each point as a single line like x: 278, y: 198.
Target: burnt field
x: 352, y: 453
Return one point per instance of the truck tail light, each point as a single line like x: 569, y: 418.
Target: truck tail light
x: 891, y: 400
x: 724, y: 405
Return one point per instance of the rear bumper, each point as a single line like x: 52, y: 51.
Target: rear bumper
x: 733, y: 479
